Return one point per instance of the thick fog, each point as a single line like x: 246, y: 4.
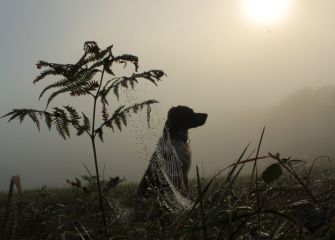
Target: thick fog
x: 244, y: 76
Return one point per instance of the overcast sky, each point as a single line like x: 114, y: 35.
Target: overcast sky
x: 244, y: 75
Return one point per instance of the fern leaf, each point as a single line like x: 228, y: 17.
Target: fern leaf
x: 127, y: 58
x: 75, y: 82
x: 86, y: 89
x: 33, y: 117
x: 116, y: 91
x: 109, y: 123
x: 22, y: 116
x: 80, y: 130
x: 153, y: 76
x: 140, y: 106
x: 59, y: 69
x: 97, y: 64
x: 118, y: 123
x: 86, y: 125
x: 98, y: 57
x: 14, y: 114
x: 91, y: 47
x: 66, y: 127
x: 123, y: 118
x: 104, y: 112
x: 100, y: 134
x: 48, y: 119
x: 119, y: 109
x: 61, y: 83
x: 132, y: 83
x: 62, y: 122
x: 59, y: 127
x: 74, y: 116
x: 62, y: 90
x: 45, y: 74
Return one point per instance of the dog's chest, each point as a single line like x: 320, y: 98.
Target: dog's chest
x: 184, y: 154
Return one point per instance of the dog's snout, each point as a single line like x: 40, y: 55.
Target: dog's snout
x: 201, y: 119
x: 204, y: 115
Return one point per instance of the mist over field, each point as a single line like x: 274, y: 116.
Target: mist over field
x: 244, y: 76
x: 300, y: 126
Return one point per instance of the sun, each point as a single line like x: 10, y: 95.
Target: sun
x: 266, y: 12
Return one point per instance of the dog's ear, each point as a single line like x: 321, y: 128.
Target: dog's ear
x: 172, y: 116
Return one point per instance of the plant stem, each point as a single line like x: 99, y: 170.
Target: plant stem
x: 92, y: 135
x: 99, y: 186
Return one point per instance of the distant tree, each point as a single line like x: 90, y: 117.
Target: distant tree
x: 80, y: 79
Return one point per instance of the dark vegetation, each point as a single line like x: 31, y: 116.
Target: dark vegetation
x: 289, y: 200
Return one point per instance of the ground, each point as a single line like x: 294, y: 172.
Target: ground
x: 228, y: 207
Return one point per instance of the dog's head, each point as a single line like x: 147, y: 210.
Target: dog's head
x: 184, y: 118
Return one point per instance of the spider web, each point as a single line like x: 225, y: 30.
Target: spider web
x: 167, y: 165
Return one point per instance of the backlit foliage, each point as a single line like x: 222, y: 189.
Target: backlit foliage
x: 92, y: 75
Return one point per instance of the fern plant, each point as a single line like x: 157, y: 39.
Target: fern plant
x: 91, y: 76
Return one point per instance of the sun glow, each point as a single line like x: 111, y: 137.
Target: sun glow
x: 266, y: 12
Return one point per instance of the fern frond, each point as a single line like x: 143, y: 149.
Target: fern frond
x: 116, y: 91
x: 14, y: 114
x: 97, y: 63
x: 48, y: 119
x: 59, y: 69
x: 62, y: 122
x: 57, y: 117
x: 100, y: 134
x: 59, y: 127
x: 104, y: 112
x: 120, y: 115
x: 74, y: 116
x: 140, y: 106
x: 72, y: 89
x: 153, y: 76
x: 123, y: 59
x: 33, y: 117
x: 60, y: 83
x: 118, y: 110
x: 117, y: 122
x: 123, y: 118
x: 45, y: 74
x: 86, y: 125
x: 127, y: 58
x: 98, y: 58
x: 91, y: 47
x: 86, y: 89
x: 80, y: 130
x: 22, y: 113
x: 82, y: 78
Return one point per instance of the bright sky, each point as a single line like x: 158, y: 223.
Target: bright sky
x: 217, y: 58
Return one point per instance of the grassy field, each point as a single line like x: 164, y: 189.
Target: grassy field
x: 299, y: 203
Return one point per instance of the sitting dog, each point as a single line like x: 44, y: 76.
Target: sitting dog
x: 171, y: 161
